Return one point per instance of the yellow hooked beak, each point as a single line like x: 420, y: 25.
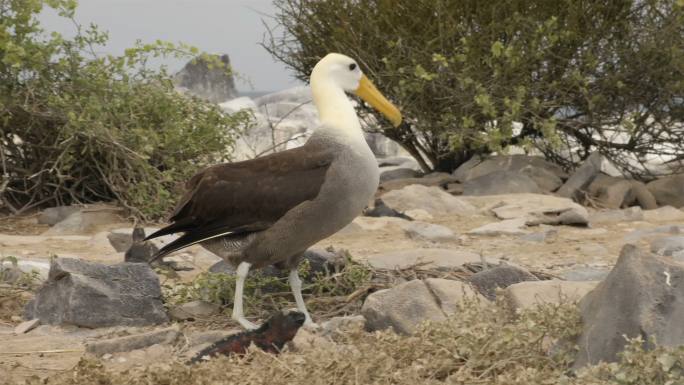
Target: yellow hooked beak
x: 372, y: 96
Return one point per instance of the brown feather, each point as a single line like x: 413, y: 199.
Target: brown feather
x: 250, y: 195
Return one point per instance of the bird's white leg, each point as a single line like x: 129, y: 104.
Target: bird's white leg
x: 238, y: 315
x: 296, y: 285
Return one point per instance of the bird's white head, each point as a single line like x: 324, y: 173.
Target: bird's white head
x: 336, y: 74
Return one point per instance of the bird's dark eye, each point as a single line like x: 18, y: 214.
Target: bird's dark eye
x: 352, y: 66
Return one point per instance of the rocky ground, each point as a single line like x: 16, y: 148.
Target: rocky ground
x: 416, y: 222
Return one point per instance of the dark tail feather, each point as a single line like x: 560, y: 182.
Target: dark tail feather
x: 176, y: 227
x: 189, y: 239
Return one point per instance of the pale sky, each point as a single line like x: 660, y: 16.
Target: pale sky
x: 219, y: 26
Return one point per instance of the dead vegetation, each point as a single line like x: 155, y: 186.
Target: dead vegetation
x: 482, y: 345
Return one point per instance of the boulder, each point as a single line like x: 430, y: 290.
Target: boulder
x: 514, y: 226
x: 668, y: 246
x: 536, y: 209
x: 121, y: 239
x: 501, y: 182
x: 499, y: 277
x: 437, y: 179
x: 668, y: 190
x: 434, y: 258
x: 402, y: 308
x: 643, y: 296
x: 92, y: 295
x: 86, y: 219
x: 664, y: 214
x: 53, y: 215
x: 140, y: 251
x: 580, y: 180
x: 525, y: 295
x: 614, y: 193
x: 630, y: 214
x: 431, y: 199
x: 380, y: 209
x: 391, y: 173
x: 547, y: 176
x: 428, y: 232
x: 215, y: 85
x: 450, y: 294
x: 336, y: 326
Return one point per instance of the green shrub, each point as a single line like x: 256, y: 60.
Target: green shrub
x: 599, y: 74
x: 78, y: 127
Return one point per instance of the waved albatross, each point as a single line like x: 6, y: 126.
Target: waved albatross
x: 269, y: 210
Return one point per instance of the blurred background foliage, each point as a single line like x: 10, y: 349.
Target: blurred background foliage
x: 79, y: 127
x: 473, y: 77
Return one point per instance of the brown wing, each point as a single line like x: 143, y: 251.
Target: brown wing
x: 246, y: 196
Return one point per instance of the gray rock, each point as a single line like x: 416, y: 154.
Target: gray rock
x: 431, y: 199
x: 630, y: 214
x: 402, y: 308
x: 93, y: 295
x: 501, y: 182
x: 138, y: 341
x: 525, y: 295
x: 536, y: 209
x: 582, y: 177
x: 506, y: 227
x: 140, y: 251
x: 428, y: 232
x: 569, y: 217
x: 637, y: 235
x: 499, y: 277
x: 194, y: 310
x: 336, y: 326
x: 450, y: 294
x: 642, y: 296
x: 380, y: 209
x: 668, y: 246
x: 86, y: 220
x: 53, y: 215
x: 121, y: 239
x: 436, y: 179
x: 546, y: 175
x: 26, y: 326
x: 212, y: 84
x: 664, y: 214
x: 547, y: 180
x: 668, y: 191
x: 614, y: 193
x: 585, y: 273
x: 433, y: 258
x: 397, y: 173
